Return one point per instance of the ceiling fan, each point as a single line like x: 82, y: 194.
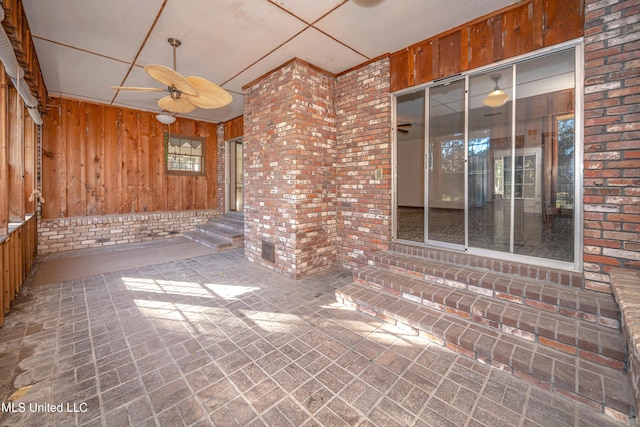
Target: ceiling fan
x: 403, y: 128
x: 185, y: 93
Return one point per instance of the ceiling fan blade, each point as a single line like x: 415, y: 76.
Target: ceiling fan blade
x: 138, y: 89
x: 176, y: 105
x: 403, y: 130
x: 171, y: 78
x: 405, y: 125
x: 210, y: 95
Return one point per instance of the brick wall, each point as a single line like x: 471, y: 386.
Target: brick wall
x: 64, y: 234
x: 289, y: 165
x: 363, y: 106
x: 611, y: 140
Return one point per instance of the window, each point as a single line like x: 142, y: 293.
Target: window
x: 525, y: 177
x: 185, y: 154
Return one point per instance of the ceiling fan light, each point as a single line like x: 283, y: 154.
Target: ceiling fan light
x: 165, y: 119
x: 497, y: 98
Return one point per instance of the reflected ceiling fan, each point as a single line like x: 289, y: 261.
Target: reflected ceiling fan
x: 404, y: 127
x: 185, y: 93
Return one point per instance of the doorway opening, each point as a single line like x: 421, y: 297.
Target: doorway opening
x: 235, y: 177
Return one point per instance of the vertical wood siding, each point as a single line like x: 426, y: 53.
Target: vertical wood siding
x: 17, y: 253
x: 100, y: 160
x: 234, y: 128
x: 515, y: 30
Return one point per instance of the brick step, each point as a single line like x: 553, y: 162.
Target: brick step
x: 594, y: 307
x: 598, y: 386
x: 232, y: 221
x: 538, y: 273
x: 573, y: 336
x: 221, y: 232
x: 237, y: 216
x: 210, y: 240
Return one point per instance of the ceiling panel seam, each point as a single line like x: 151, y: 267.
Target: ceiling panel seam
x: 153, y: 25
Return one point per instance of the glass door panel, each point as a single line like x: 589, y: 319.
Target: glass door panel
x: 410, y: 158
x: 446, y: 164
x: 544, y: 149
x: 489, y: 153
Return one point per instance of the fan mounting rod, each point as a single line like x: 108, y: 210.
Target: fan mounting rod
x: 175, y: 43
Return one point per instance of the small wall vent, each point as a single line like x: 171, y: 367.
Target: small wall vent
x: 268, y: 251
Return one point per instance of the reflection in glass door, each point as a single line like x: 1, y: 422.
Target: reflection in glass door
x: 235, y: 176
x: 446, y: 164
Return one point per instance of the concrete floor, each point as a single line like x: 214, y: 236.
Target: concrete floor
x: 216, y: 340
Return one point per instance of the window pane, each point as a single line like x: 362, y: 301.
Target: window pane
x: 185, y: 154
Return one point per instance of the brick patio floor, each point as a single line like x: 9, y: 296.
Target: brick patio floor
x: 216, y: 340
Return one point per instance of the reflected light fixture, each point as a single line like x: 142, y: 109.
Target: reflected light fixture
x: 165, y: 119
x: 497, y: 97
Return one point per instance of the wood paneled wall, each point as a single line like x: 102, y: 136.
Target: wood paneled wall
x: 509, y: 32
x: 17, y: 253
x: 99, y: 160
x: 18, y: 222
x: 234, y: 128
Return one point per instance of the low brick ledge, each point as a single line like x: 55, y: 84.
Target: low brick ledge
x: 64, y: 234
x: 597, y: 386
x: 626, y: 288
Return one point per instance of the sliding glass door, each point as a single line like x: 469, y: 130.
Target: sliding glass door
x: 446, y: 163
x: 498, y: 161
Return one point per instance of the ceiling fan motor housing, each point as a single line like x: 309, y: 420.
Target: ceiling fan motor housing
x: 197, y: 91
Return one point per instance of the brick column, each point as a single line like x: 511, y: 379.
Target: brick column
x: 289, y: 160
x: 611, y: 140
x: 363, y: 106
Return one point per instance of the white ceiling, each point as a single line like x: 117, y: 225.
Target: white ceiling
x: 87, y: 46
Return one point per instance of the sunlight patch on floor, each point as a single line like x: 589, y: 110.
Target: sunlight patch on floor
x: 227, y: 292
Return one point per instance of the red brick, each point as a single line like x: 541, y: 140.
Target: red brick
x: 565, y: 348
x: 541, y: 305
x: 458, y: 313
x: 601, y: 360
x: 508, y: 297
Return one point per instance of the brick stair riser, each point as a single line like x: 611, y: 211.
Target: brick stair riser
x: 231, y: 221
x: 235, y: 238
x: 560, y: 277
x: 606, y: 318
x: 236, y: 226
x: 214, y: 245
x: 485, y: 352
x: 566, y: 343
